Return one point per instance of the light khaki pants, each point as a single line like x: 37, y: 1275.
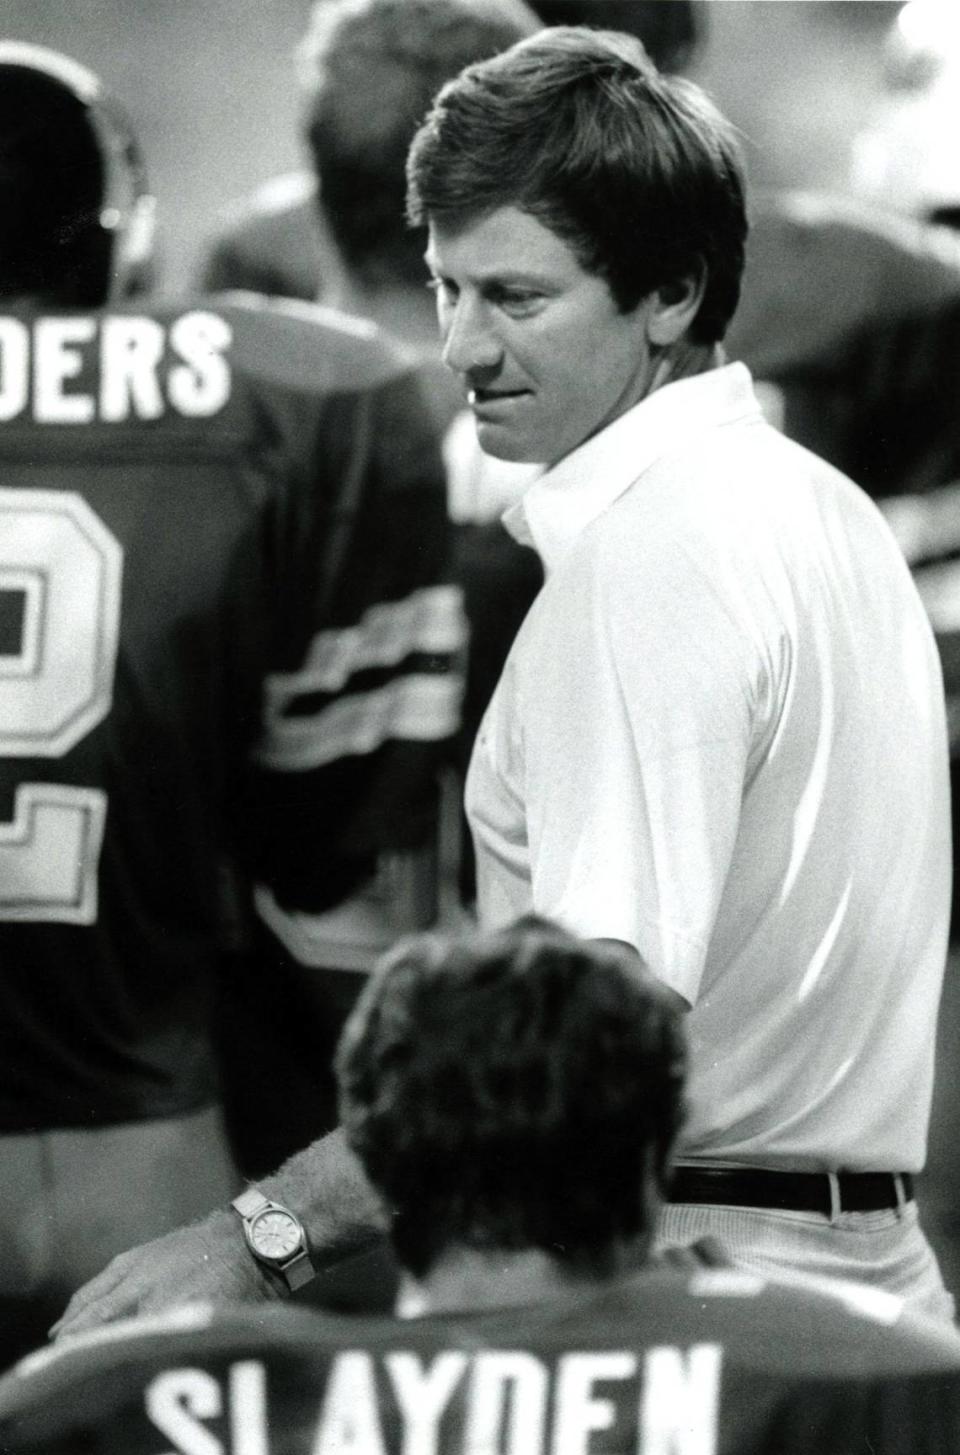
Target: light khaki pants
x: 886, y: 1249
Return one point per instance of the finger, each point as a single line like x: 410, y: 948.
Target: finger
x: 92, y: 1316
x: 86, y: 1304
x: 102, y: 1283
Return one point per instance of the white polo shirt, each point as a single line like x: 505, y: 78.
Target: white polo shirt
x: 720, y: 737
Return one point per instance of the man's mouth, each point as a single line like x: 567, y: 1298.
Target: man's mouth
x: 479, y: 397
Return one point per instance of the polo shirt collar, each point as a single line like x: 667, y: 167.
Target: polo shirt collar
x: 561, y: 503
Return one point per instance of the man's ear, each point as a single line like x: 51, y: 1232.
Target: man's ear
x: 657, y: 1169
x: 673, y: 307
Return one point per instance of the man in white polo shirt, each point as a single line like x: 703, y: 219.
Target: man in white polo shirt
x: 720, y: 735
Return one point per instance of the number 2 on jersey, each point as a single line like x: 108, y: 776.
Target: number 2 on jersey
x: 60, y: 583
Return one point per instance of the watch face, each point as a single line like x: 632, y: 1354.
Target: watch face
x: 275, y: 1234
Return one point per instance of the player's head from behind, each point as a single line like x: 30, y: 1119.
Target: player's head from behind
x: 571, y: 158
x: 370, y: 69
x: 514, y: 1093
x: 74, y: 211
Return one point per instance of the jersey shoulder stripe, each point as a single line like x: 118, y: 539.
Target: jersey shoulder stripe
x: 306, y: 346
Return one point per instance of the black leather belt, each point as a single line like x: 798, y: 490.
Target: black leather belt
x: 791, y: 1191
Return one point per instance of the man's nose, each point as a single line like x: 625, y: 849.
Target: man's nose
x: 469, y: 342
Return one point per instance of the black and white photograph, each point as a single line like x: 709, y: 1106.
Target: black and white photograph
x: 479, y: 727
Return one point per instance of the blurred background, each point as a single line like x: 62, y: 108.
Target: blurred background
x: 210, y: 86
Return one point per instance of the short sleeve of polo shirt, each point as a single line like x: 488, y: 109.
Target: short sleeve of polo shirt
x: 636, y: 695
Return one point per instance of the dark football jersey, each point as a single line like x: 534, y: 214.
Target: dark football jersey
x: 225, y: 640
x: 718, y: 1363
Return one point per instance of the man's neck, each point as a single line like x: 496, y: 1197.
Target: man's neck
x: 684, y: 361
x: 472, y: 1280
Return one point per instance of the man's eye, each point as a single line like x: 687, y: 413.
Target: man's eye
x: 519, y: 301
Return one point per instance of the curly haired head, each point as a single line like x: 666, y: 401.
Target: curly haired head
x: 512, y: 1091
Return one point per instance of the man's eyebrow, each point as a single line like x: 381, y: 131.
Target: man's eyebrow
x: 499, y: 277
x: 525, y: 279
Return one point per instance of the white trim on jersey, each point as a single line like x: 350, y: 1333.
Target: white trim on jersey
x: 429, y: 620
x: 419, y: 706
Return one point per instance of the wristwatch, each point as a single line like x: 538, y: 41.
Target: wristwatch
x: 275, y: 1237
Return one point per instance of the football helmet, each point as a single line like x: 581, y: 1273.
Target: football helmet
x: 61, y: 133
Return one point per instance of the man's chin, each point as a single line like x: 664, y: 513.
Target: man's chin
x: 499, y: 442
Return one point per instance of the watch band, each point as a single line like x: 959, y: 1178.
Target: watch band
x: 298, y: 1270
x: 250, y: 1202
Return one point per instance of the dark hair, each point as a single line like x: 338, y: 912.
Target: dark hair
x: 671, y: 34
x: 52, y: 181
x: 512, y: 1091
x: 371, y: 69
x: 637, y: 172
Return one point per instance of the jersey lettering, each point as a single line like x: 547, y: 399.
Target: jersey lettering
x: 507, y: 1403
x: 200, y: 385
x: 14, y: 368
x: 143, y: 367
x: 580, y: 1408
x: 49, y: 853
x: 681, y: 1401
x: 423, y: 1394
x: 350, y: 1416
x: 64, y: 567
x: 177, y: 1401
x: 248, y: 1408
x: 58, y: 357
x: 659, y: 1401
x: 132, y: 349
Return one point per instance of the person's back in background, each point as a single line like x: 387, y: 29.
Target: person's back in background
x: 849, y: 308
x: 369, y: 69
x: 276, y: 240
x: 377, y: 65
x: 513, y: 1099
x: 227, y: 654
x: 366, y: 81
